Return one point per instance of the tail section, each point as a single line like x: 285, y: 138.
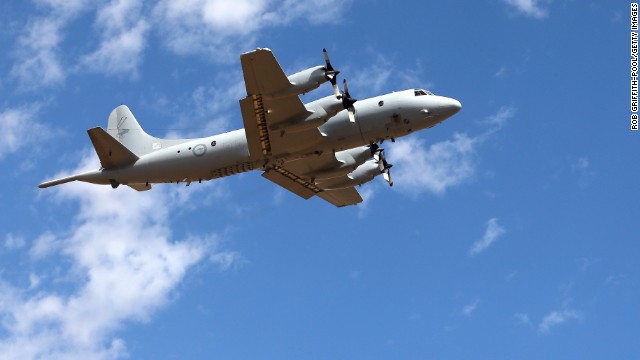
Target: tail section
x: 121, y: 145
x: 124, y: 127
x: 111, y: 153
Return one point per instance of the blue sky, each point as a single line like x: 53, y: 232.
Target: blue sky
x: 510, y: 232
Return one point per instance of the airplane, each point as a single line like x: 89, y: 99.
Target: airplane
x: 325, y: 147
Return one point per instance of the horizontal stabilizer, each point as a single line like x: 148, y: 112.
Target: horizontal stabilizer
x: 342, y: 197
x: 112, y: 154
x: 67, y: 179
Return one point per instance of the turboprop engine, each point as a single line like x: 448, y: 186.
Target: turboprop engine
x: 349, y: 160
x: 363, y: 173
x: 321, y: 111
x: 306, y: 80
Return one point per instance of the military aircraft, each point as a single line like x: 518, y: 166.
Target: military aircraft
x: 325, y: 147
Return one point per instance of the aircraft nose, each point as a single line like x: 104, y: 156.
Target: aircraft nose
x: 451, y: 107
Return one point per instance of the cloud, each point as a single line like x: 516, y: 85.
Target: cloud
x: 441, y: 165
x: 522, y: 318
x: 580, y: 164
x: 556, y: 318
x: 499, y: 119
x: 124, y: 33
x: 468, y: 309
x: 19, y: 129
x: 37, y: 59
x: 531, y: 8
x: 491, y: 234
x: 380, y: 74
x: 434, y: 169
x: 123, y: 265
x: 13, y: 242
x: 223, y: 28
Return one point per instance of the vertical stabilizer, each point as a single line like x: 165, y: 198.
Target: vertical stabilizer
x: 124, y: 127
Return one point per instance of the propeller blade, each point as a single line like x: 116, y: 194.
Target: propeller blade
x: 326, y: 60
x: 330, y: 73
x: 336, y: 90
x: 381, y: 159
x: 346, y: 88
x: 387, y: 176
x: 348, y: 101
x: 352, y: 114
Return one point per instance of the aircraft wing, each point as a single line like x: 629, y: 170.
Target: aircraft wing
x: 296, y: 176
x: 267, y: 104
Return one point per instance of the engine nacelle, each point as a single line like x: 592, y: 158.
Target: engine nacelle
x: 304, y: 81
x: 321, y: 111
x: 349, y: 160
x: 307, y: 80
x: 362, y: 174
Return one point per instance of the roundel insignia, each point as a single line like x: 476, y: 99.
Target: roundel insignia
x: 199, y: 150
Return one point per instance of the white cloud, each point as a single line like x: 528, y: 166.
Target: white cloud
x: 367, y: 194
x: 531, y: 8
x: 45, y: 245
x: 19, y: 129
x: 124, y: 265
x: 222, y: 29
x: 436, y: 168
x: 522, y: 318
x: 556, y: 318
x: 468, y: 309
x: 123, y: 41
x: 13, y: 242
x: 581, y: 163
x: 500, y: 118
x: 37, y: 59
x: 442, y: 165
x: 491, y: 234
x: 381, y: 74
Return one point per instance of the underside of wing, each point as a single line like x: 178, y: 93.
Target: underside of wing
x: 342, y: 197
x: 298, y: 177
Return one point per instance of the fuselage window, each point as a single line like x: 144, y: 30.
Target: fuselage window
x: 381, y: 103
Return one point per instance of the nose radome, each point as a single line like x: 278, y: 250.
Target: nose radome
x: 453, y: 106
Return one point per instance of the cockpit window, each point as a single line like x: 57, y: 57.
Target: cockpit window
x: 420, y: 92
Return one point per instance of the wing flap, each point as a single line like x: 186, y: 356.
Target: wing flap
x: 291, y: 182
x: 342, y: 197
x: 111, y: 153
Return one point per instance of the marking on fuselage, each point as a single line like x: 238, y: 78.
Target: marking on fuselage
x: 199, y: 150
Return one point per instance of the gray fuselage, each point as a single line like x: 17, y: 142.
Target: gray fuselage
x: 388, y: 116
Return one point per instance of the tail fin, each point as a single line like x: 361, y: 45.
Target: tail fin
x: 124, y: 127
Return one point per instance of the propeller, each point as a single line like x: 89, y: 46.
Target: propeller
x: 330, y: 73
x: 383, y: 165
x: 348, y: 101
